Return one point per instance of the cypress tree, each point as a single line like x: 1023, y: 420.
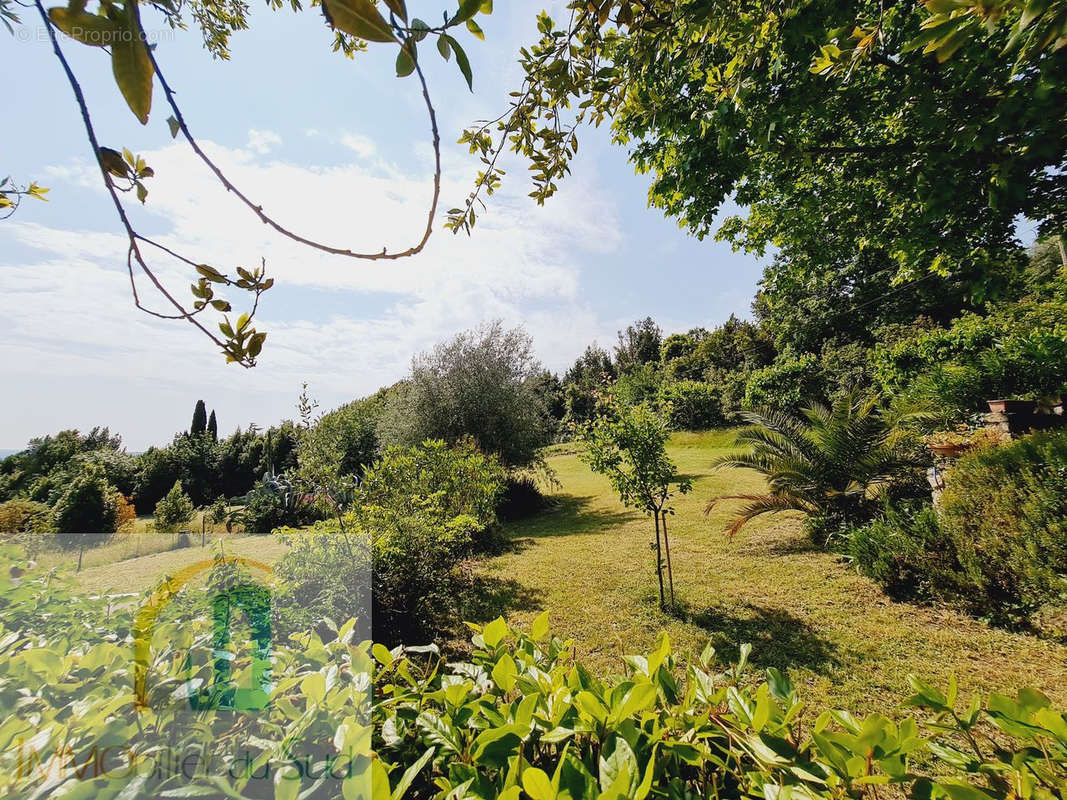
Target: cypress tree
x: 199, y: 419
x: 213, y: 427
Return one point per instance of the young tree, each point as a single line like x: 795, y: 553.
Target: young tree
x: 627, y: 444
x: 199, y: 424
x: 213, y: 427
x: 173, y: 510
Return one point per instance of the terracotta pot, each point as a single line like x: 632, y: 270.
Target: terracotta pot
x: 949, y: 450
x: 1011, y: 406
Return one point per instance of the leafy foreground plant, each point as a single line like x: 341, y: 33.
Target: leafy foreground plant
x: 521, y: 719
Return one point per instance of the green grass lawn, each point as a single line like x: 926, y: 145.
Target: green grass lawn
x: 843, y: 642
x: 140, y: 573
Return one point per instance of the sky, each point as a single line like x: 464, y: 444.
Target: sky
x: 338, y: 150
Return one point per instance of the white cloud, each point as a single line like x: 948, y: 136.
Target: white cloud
x: 359, y: 144
x: 70, y: 313
x: 262, y: 142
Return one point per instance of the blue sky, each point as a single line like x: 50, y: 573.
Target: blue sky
x: 337, y: 148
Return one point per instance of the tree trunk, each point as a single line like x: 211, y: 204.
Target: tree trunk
x: 659, y: 563
x: 667, y: 547
x: 81, y: 552
x: 1063, y: 250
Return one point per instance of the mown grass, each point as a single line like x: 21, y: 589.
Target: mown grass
x: 843, y: 642
x: 143, y: 572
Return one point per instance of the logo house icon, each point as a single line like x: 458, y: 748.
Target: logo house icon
x: 251, y: 598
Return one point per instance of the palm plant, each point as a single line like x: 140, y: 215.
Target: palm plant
x: 830, y: 463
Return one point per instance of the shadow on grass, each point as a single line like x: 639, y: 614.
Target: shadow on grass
x: 778, y: 638
x: 569, y: 514
x: 486, y: 597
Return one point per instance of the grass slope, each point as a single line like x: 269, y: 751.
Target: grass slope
x: 143, y: 572
x: 843, y: 642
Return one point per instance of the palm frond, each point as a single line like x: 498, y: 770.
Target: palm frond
x: 757, y: 505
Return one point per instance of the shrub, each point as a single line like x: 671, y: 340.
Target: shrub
x: 1018, y: 349
x: 274, y: 502
x: 87, y: 505
x: 788, y: 384
x: 908, y: 553
x: 482, y: 384
x: 521, y: 498
x: 1005, y: 509
x: 174, y: 510
x: 418, y: 511
x: 461, y: 480
x: 694, y: 406
x: 640, y: 384
x: 25, y: 516
x: 124, y: 510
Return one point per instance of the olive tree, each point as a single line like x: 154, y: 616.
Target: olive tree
x: 627, y: 445
x: 482, y: 384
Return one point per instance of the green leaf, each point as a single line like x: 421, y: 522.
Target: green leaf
x: 539, y: 629
x: 313, y: 687
x: 462, y: 62
x: 359, y: 18
x: 443, y: 48
x: 399, y: 8
x: 405, y: 61
x: 90, y: 29
x: 174, y: 126
x: 286, y: 783
x: 255, y: 344
x: 494, y: 632
x: 779, y: 684
x: 131, y: 66
x: 467, y: 9
x: 504, y: 672
x: 410, y: 773
x: 114, y: 162
x: 210, y: 273
x: 477, y: 32
x: 537, y: 784
x: 495, y: 746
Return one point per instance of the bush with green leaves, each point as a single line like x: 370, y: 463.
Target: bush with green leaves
x: 909, y: 554
x: 24, y: 516
x: 275, y: 502
x: 1005, y: 510
x: 174, y: 510
x: 417, y: 513
x: 481, y: 384
x: 1018, y: 349
x: 694, y: 405
x: 87, y: 505
x: 520, y: 719
x: 789, y: 383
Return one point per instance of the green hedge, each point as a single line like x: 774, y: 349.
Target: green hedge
x: 694, y: 405
x: 998, y: 545
x: 1005, y: 510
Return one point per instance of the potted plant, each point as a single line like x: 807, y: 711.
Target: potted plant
x: 1012, y: 406
x: 949, y: 444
